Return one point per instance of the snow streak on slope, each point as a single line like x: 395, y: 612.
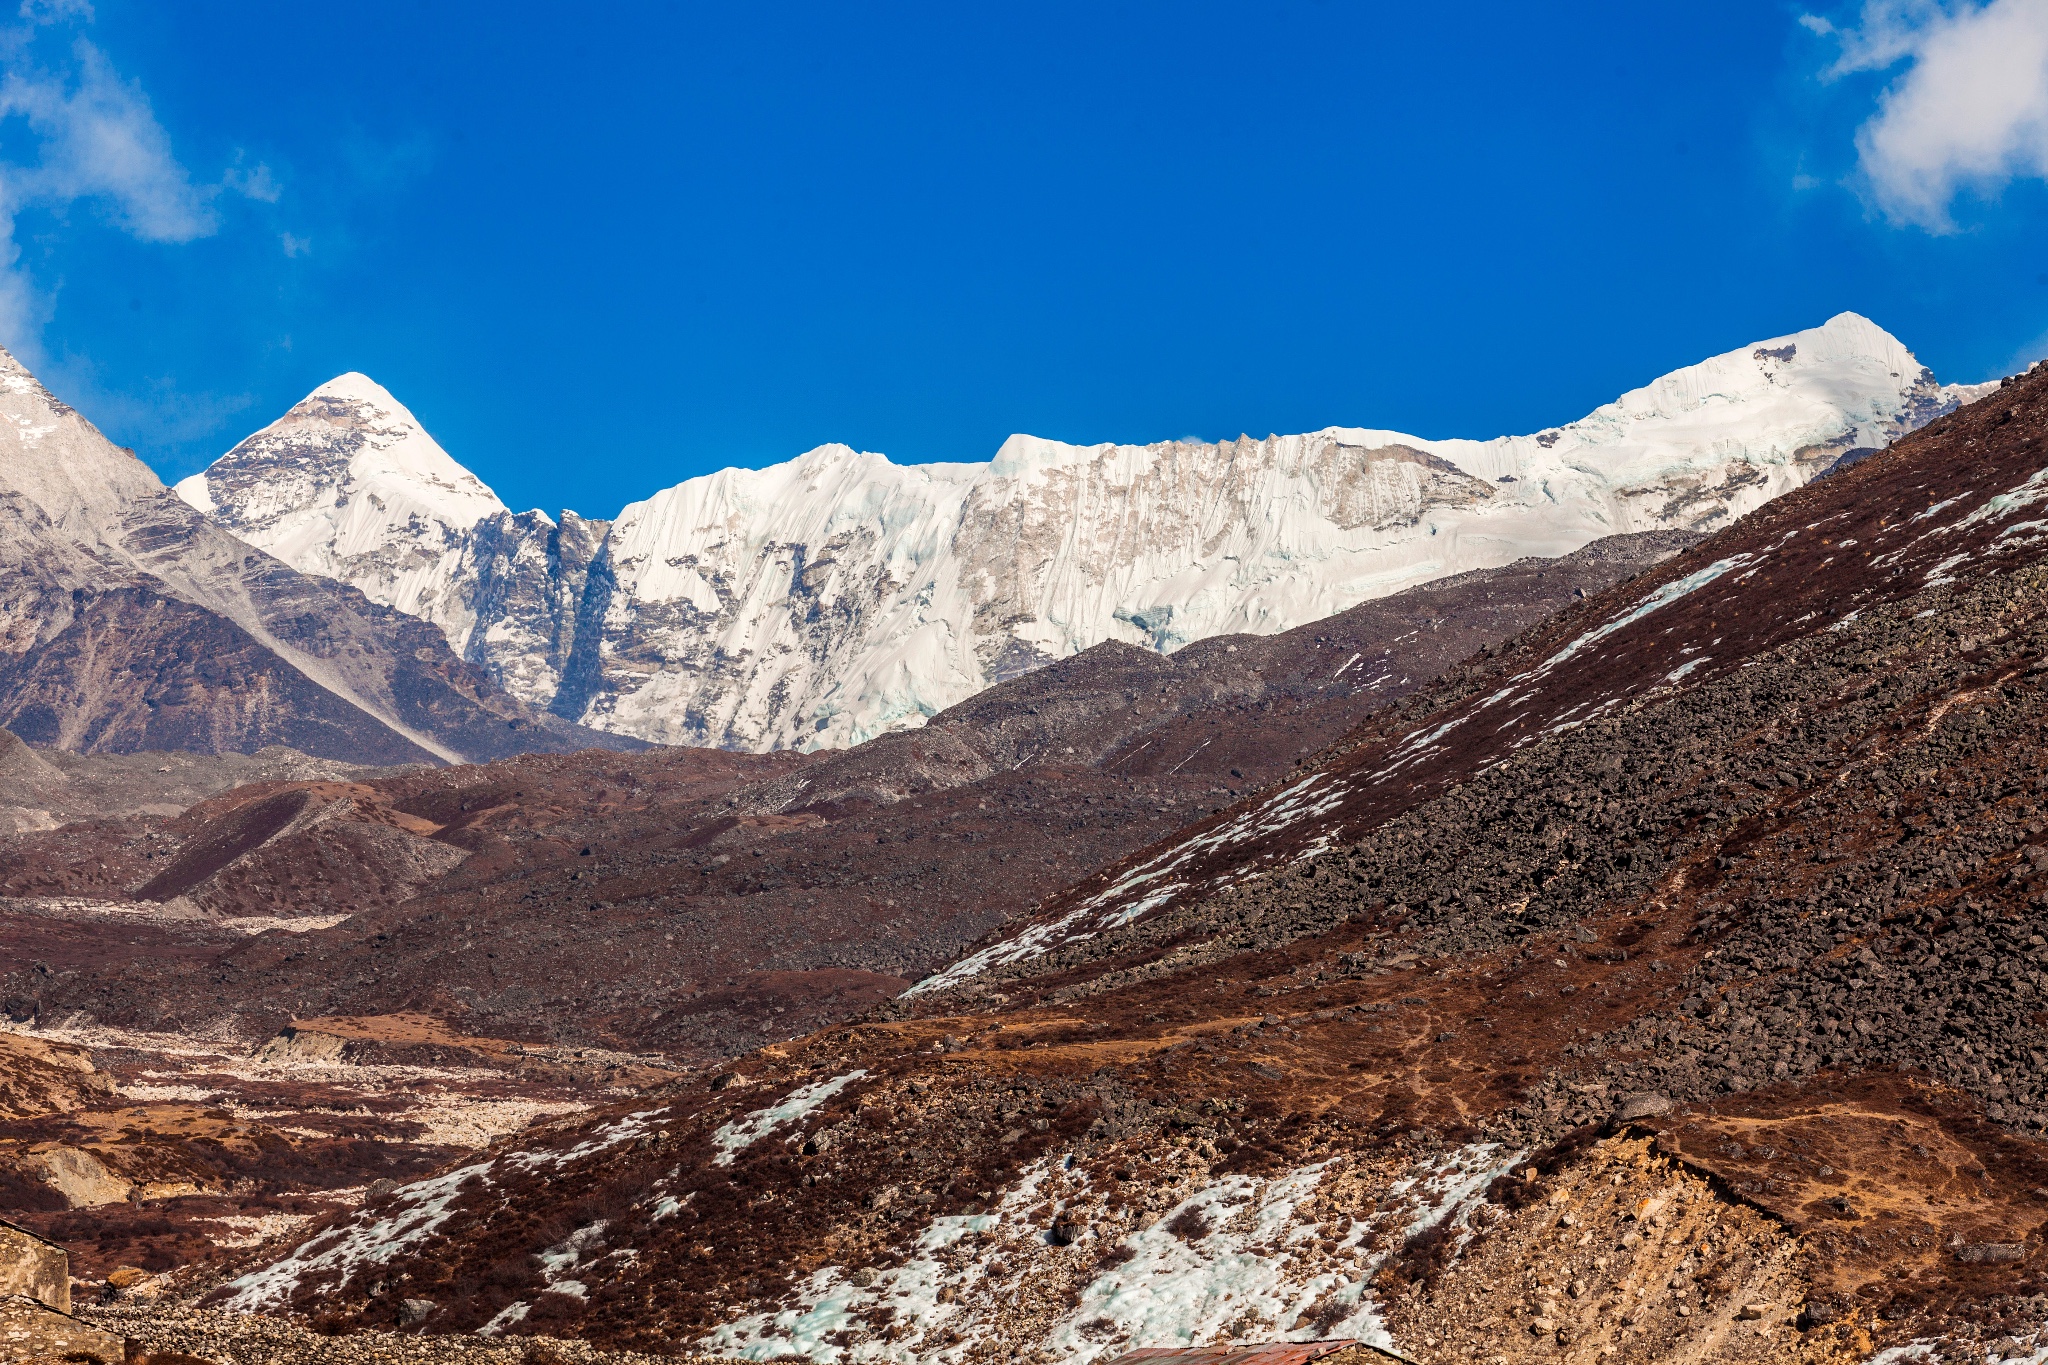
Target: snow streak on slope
x: 838, y: 596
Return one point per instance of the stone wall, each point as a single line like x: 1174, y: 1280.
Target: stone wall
x: 34, y: 1268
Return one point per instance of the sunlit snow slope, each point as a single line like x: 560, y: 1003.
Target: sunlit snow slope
x: 831, y: 598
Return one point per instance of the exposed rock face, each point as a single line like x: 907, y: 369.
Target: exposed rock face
x: 836, y: 597
x: 129, y: 621
x: 79, y: 1176
x: 34, y: 1268
x: 33, y: 1331
x: 529, y: 576
x: 137, y: 669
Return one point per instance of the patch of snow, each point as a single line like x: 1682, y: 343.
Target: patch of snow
x: 418, y: 1210
x: 1101, y: 912
x: 1662, y: 597
x: 193, y: 491
x: 633, y: 1126
x: 829, y: 1302
x: 733, y: 1138
x: 558, y: 1260
x: 510, y: 1314
x: 1254, y: 1262
x: 1179, y: 1293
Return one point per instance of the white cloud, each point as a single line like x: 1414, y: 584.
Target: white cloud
x: 252, y: 182
x: 101, y: 141
x: 95, y: 140
x: 55, y: 11
x: 1970, y: 110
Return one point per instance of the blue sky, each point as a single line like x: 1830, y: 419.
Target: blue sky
x: 599, y: 250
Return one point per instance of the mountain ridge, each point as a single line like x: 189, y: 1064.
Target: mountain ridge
x: 839, y: 595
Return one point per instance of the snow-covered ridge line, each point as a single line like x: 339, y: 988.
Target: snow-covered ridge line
x: 837, y: 596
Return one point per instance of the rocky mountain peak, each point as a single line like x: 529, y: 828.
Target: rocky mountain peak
x: 133, y: 621
x: 349, y: 485
x: 59, y: 462
x: 347, y: 441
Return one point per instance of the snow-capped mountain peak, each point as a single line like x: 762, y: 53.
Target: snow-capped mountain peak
x: 60, y: 462
x: 350, y: 485
x: 838, y: 595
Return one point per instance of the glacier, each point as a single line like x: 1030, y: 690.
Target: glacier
x: 836, y: 596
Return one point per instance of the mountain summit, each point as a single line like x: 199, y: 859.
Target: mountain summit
x: 837, y: 596
x: 349, y: 485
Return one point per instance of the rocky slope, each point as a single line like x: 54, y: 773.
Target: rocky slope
x: 128, y: 621
x: 821, y: 602
x: 44, y: 789
x: 706, y: 902
x: 1659, y: 987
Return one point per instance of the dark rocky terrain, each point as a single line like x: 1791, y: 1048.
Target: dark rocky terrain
x: 701, y: 902
x: 1665, y: 985
x: 43, y: 789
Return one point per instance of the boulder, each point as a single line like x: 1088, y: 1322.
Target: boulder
x: 1642, y: 1105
